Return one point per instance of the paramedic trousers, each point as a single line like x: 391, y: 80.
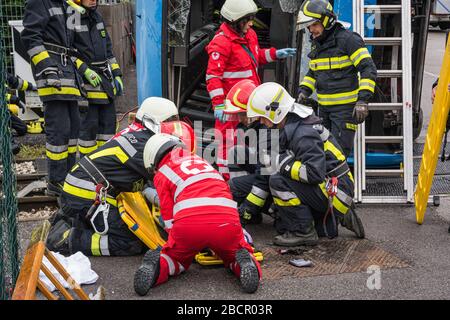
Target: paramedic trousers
x: 191, y: 235
x: 62, y: 126
x: 98, y: 125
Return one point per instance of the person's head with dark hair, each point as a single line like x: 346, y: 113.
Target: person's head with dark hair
x: 239, y: 14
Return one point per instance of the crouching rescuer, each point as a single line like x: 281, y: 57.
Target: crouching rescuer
x: 313, y: 187
x: 198, y: 212
x: 89, y: 220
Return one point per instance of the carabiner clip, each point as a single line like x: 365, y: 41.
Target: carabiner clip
x: 64, y: 59
x: 103, y: 208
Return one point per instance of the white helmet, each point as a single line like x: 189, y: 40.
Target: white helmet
x: 157, y: 147
x: 233, y: 10
x: 271, y: 101
x: 155, y: 110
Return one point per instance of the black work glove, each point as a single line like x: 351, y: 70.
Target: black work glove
x: 246, y: 212
x: 53, y: 79
x: 361, y: 111
x: 285, y: 162
x: 15, y: 100
x: 33, y: 87
x: 302, y: 98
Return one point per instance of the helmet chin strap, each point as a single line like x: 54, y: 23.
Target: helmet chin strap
x: 92, y: 9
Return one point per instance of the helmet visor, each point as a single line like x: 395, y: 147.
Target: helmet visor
x: 304, y: 21
x: 151, y: 123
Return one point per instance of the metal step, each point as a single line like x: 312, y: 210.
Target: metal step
x: 384, y: 172
x: 383, y: 41
x: 384, y: 139
x: 195, y: 114
x: 200, y: 95
x: 387, y: 8
x: 387, y: 106
x: 390, y: 73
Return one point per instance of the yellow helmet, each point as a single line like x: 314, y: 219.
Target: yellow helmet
x: 316, y: 10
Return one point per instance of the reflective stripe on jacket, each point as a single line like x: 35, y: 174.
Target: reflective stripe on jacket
x: 121, y: 162
x: 341, y: 69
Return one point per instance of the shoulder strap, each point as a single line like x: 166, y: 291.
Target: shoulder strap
x: 251, y: 55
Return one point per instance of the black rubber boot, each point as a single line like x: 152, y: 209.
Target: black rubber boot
x: 249, y: 276
x: 54, y: 188
x: 294, y: 239
x: 353, y: 223
x: 58, y: 239
x: 147, y: 274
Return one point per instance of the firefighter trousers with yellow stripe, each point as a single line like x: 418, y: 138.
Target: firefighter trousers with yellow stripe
x: 118, y: 241
x: 62, y: 127
x: 301, y: 205
x: 98, y: 125
x: 339, y: 120
x: 240, y: 188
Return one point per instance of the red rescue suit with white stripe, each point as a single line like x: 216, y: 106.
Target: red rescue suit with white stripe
x: 198, y: 212
x: 232, y: 58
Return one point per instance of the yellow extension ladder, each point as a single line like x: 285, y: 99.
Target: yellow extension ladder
x: 433, y: 141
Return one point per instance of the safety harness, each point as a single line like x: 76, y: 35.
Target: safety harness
x: 102, y: 187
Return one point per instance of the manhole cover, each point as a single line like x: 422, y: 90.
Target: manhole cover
x: 330, y: 257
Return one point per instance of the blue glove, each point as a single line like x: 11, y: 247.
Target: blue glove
x: 218, y: 112
x: 286, y: 52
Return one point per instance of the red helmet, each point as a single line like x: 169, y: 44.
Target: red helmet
x: 238, y: 96
x: 181, y: 130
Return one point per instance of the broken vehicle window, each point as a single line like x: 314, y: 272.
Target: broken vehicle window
x: 290, y: 6
x: 178, y: 21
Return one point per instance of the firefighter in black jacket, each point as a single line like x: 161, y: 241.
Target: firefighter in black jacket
x: 97, y: 64
x: 48, y: 35
x: 341, y: 69
x: 314, y: 184
x: 96, y: 229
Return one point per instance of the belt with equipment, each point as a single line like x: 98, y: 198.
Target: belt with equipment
x: 62, y: 51
x: 104, y: 67
x: 103, y: 187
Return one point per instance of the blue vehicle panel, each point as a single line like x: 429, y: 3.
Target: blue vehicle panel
x: 149, y: 48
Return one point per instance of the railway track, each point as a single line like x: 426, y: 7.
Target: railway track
x: 31, y: 185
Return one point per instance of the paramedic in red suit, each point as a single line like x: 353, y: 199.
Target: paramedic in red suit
x: 234, y: 55
x: 198, y: 212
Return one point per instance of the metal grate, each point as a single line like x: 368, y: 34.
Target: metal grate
x: 329, y: 258
x: 10, y: 10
